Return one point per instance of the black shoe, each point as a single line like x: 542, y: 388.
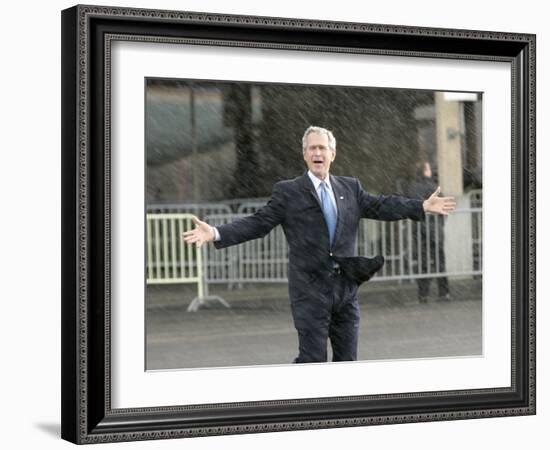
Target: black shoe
x: 422, y: 299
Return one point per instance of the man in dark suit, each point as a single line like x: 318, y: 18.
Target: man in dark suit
x: 428, y: 238
x: 320, y: 214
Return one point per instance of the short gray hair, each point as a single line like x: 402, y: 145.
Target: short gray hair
x: 319, y: 130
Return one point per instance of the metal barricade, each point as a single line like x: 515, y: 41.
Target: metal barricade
x: 200, y: 210
x: 170, y: 260
x: 475, y: 200
x: 222, y: 265
x: 420, y: 249
x: 411, y: 250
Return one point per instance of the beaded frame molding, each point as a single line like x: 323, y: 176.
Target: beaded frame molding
x: 87, y: 34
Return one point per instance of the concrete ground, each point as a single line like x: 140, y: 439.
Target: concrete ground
x: 258, y: 327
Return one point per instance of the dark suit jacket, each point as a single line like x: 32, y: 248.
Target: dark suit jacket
x: 295, y: 206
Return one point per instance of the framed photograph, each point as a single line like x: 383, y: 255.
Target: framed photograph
x: 272, y: 138
x: 244, y: 289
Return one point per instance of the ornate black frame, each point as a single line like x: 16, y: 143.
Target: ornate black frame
x: 87, y: 33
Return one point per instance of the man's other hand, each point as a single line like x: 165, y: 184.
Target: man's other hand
x: 201, y: 234
x: 439, y: 205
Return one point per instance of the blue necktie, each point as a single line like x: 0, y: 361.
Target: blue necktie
x: 328, y: 210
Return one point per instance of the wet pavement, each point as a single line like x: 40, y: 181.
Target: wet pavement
x: 258, y: 327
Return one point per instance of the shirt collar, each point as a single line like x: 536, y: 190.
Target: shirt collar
x: 317, y: 182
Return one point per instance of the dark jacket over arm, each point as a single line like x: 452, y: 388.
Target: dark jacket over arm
x: 256, y: 225
x: 390, y: 207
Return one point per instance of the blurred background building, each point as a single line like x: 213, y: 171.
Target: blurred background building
x: 210, y: 141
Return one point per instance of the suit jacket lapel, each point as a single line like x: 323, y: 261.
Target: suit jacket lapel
x: 308, y: 186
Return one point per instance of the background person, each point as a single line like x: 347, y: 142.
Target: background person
x: 428, y: 238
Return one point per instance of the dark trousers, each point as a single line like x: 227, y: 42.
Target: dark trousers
x: 431, y: 255
x: 330, y: 312
x: 424, y: 286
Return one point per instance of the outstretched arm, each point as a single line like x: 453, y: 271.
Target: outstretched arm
x: 201, y: 234
x: 241, y: 230
x: 439, y: 205
x: 388, y: 207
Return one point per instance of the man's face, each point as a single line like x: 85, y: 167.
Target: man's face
x: 317, y: 154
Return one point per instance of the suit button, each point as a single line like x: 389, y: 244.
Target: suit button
x: 330, y: 254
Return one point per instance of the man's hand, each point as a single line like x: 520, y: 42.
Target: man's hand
x: 439, y: 205
x: 201, y: 234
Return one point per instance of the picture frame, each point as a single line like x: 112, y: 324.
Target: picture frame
x: 88, y: 415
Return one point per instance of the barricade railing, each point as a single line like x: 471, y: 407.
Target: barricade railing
x: 200, y: 210
x: 475, y: 200
x: 437, y: 247
x: 411, y: 250
x: 222, y: 265
x: 170, y: 260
